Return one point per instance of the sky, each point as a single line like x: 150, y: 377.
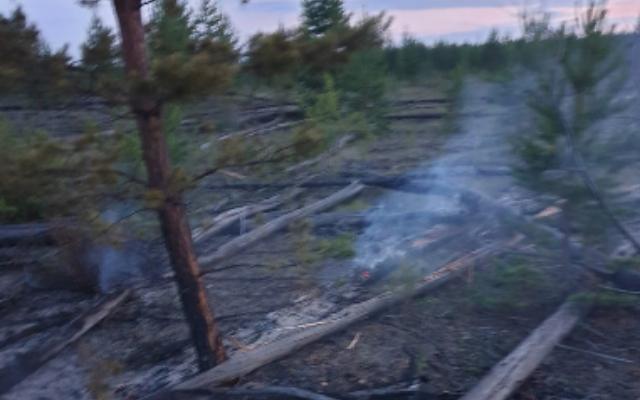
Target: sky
x: 65, y: 22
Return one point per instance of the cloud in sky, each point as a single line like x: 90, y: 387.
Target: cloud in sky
x: 63, y: 21
x: 471, y: 20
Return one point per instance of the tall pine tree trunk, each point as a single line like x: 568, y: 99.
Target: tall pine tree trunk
x: 147, y: 109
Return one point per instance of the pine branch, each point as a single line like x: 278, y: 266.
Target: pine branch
x: 596, y: 192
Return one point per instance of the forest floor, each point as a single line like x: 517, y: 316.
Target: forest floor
x: 446, y: 340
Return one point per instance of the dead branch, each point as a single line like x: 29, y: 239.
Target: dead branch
x: 28, y: 363
x: 339, y: 145
x: 506, y: 376
x: 596, y: 354
x: 243, y: 363
x: 592, y: 186
x: 263, y: 129
x: 240, y: 243
x: 271, y: 113
x: 230, y: 217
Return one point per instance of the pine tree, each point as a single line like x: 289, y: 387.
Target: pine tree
x: 211, y: 24
x: 321, y: 16
x: 169, y: 29
x: 99, y: 53
x: 20, y: 46
x: 272, y: 56
x: 19, y: 43
x: 578, y: 86
x: 174, y: 70
x: 28, y: 66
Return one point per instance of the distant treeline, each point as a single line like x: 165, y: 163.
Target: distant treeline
x: 284, y: 58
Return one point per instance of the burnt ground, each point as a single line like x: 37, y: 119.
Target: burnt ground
x: 446, y: 340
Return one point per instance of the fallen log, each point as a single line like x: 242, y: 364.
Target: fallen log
x: 243, y: 363
x: 478, y: 202
x: 27, y: 329
x: 417, y: 116
x: 336, y: 222
x: 11, y: 294
x: 26, y: 234
x: 409, y: 391
x: 261, y: 130
x: 339, y: 145
x: 406, y: 183
x: 506, y: 376
x: 267, y: 114
x: 265, y: 392
x: 240, y: 243
x: 361, y: 220
x: 230, y: 217
x: 595, y: 260
x: 408, y: 102
x: 26, y: 364
x: 292, y: 111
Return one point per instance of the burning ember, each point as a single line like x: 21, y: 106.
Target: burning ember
x: 368, y: 276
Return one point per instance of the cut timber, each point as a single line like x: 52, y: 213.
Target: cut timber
x: 513, y: 370
x: 228, y: 218
x: 240, y: 243
x: 243, y: 363
x: 28, y: 363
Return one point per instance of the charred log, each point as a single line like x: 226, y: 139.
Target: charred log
x: 246, y: 362
x: 513, y: 370
x: 40, y: 234
x: 240, y: 243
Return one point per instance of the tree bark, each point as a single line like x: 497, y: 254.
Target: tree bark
x: 147, y: 109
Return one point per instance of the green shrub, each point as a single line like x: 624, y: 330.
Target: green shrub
x: 41, y: 177
x: 362, y: 84
x: 410, y: 60
x: 340, y: 247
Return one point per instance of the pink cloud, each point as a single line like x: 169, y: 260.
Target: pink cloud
x: 476, y: 22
